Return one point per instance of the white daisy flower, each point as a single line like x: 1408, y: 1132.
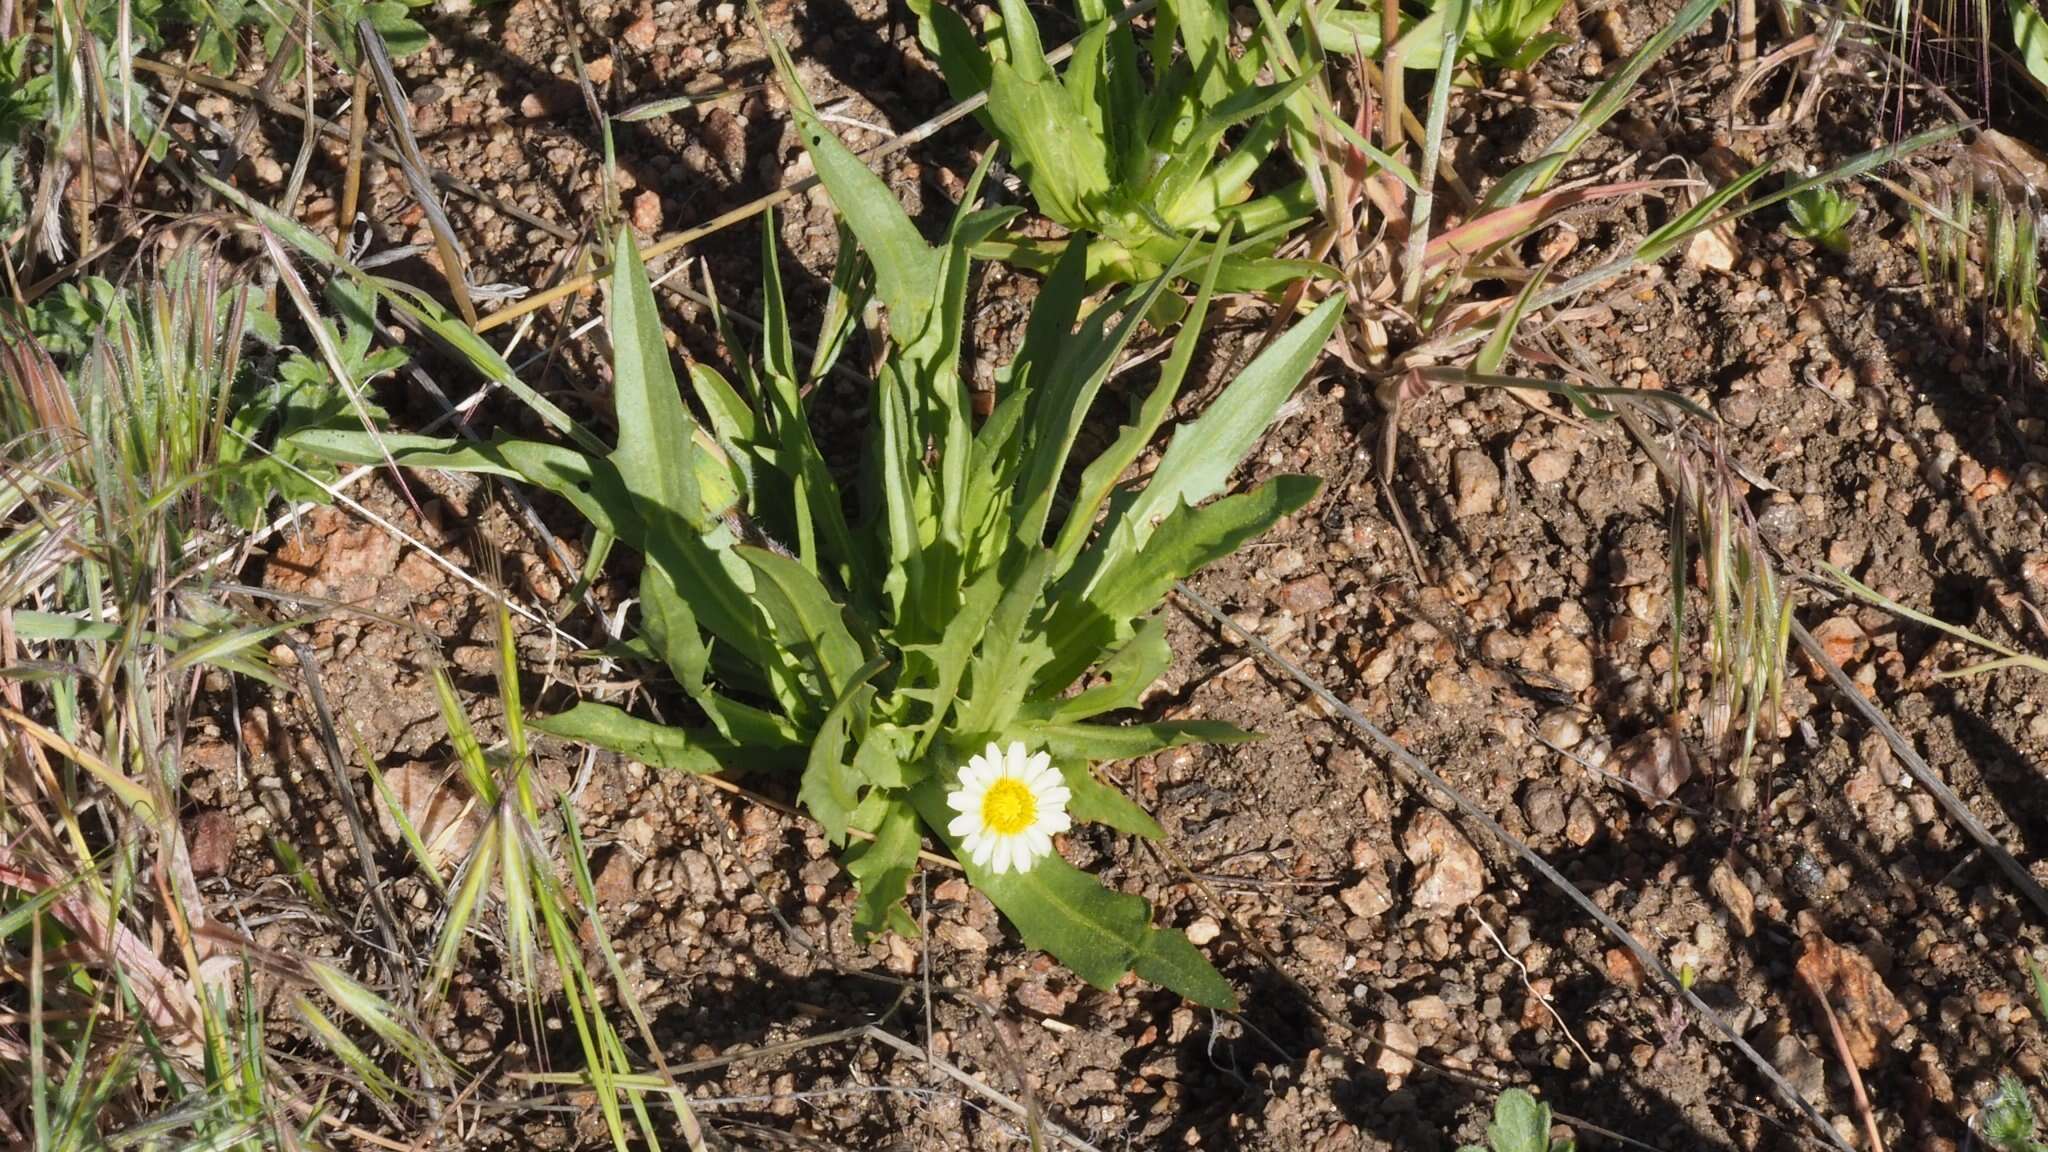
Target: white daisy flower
x: 1010, y: 804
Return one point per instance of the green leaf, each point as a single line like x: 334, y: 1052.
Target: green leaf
x: 1057, y: 410
x: 808, y: 623
x: 1203, y: 454
x: 756, y: 744
x: 830, y: 791
x: 1097, y: 802
x: 1113, y: 742
x: 1002, y: 670
x: 655, y: 430
x: 2030, y: 37
x: 1098, y: 933
x: 1119, y: 581
x: 946, y: 662
x: 1126, y: 674
x: 881, y: 868
x: 883, y: 758
x: 907, y: 270
x: 1521, y: 1123
x: 1099, y: 479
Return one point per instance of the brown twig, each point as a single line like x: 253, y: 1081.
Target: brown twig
x: 352, y: 177
x: 1848, y: 1061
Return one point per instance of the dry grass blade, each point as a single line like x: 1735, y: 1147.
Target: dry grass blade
x: 1916, y: 767
x: 1643, y: 955
x: 352, y: 177
x: 1820, y: 997
x: 976, y: 1086
x: 397, y: 110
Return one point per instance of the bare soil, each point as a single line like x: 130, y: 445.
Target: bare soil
x: 1395, y: 964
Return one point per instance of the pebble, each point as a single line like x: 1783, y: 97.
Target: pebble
x: 1805, y: 1071
x: 1843, y: 640
x: 1397, y: 1046
x: 1550, y: 466
x: 1563, y: 727
x: 646, y: 212
x: 1543, y: 807
x: 1476, y: 483
x: 1369, y: 897
x: 1319, y: 951
x: 1656, y: 762
x: 961, y: 937
x: 1308, y: 595
x: 1448, y: 871
x: 1581, y: 825
x: 1204, y: 930
x: 1735, y: 896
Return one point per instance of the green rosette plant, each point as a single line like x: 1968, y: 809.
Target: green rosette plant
x: 944, y: 655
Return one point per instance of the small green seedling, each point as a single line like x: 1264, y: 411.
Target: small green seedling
x: 1141, y: 142
x: 1821, y: 214
x: 1510, y: 35
x: 2007, y: 1122
x: 1521, y: 1123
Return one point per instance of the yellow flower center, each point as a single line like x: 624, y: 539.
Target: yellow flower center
x: 1008, y: 807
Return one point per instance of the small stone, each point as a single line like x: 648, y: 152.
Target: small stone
x: 1624, y: 969
x: 1308, y: 595
x: 1550, y: 466
x: 532, y: 106
x: 1735, y: 896
x: 268, y: 170
x: 1868, y: 1012
x: 1740, y: 409
x: 616, y: 881
x: 1398, y: 1047
x: 1543, y: 807
x: 1805, y: 1071
x: 1571, y: 661
x: 1203, y: 931
x: 1656, y: 762
x: 1476, y: 480
x: 1581, y: 825
x: 1319, y: 951
x: 1713, y: 248
x: 961, y: 937
x: 1563, y: 727
x: 646, y: 212
x: 1781, y: 523
x: 1369, y: 897
x: 210, y: 843
x: 640, y: 34
x: 1035, y: 996
x: 1448, y: 871
x: 599, y: 70
x: 1844, y: 640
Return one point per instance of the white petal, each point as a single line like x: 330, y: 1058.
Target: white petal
x: 1041, y: 842
x: 963, y: 800
x: 1054, y: 822
x: 1017, y: 758
x: 997, y: 757
x: 1039, y: 762
x: 1055, y: 797
x: 965, y: 824
x: 986, y: 849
